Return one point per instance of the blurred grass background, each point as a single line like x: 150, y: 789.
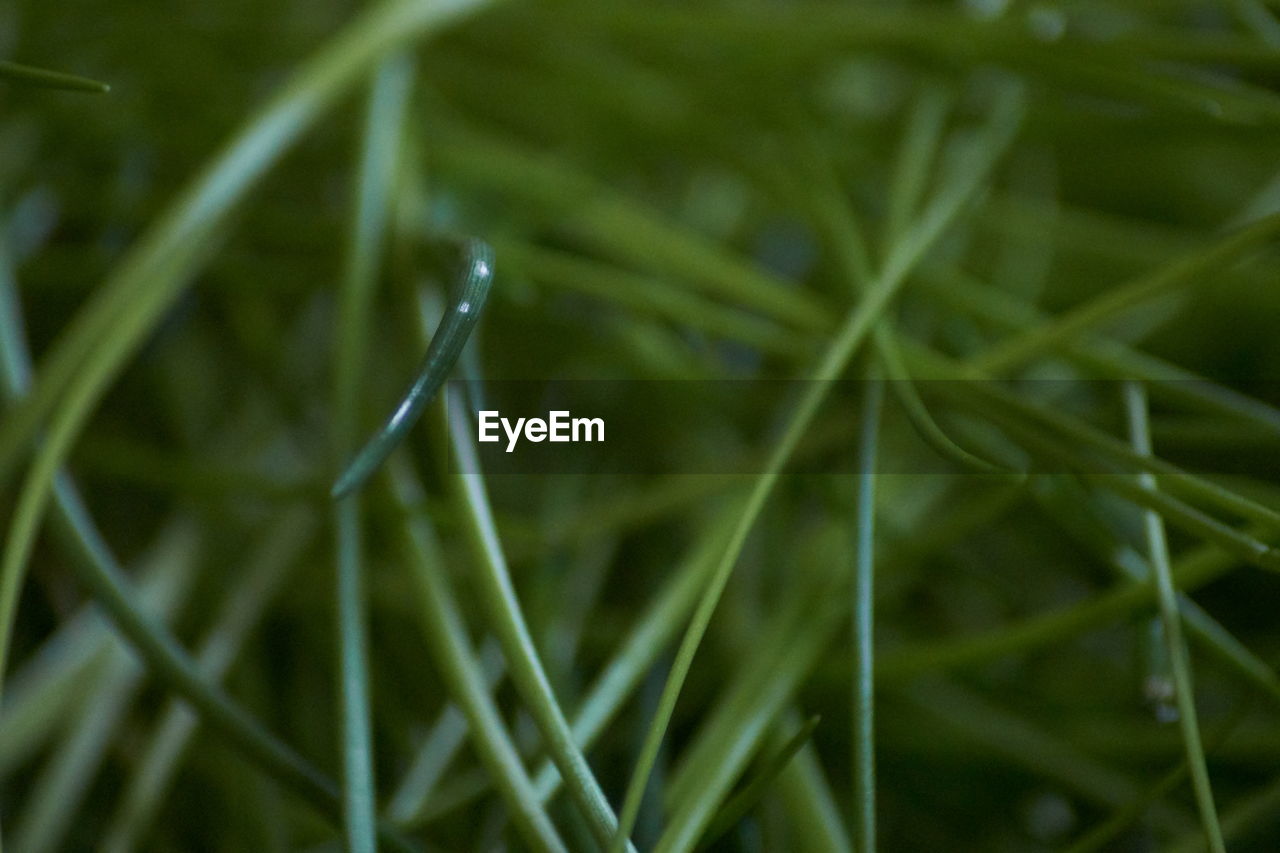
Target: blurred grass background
x: 218, y: 267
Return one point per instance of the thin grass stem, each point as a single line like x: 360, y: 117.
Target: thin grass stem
x: 46, y: 79
x: 863, y: 609
x: 1167, y: 597
x: 389, y: 93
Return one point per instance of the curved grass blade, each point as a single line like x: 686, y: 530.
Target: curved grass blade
x: 643, y: 644
x: 662, y: 619
x: 475, y: 281
x: 1241, y: 544
x: 926, y: 426
x: 1167, y: 597
x: 93, y: 350
x: 40, y: 482
x: 508, y: 624
x: 170, y: 663
x: 638, y: 651
x: 464, y: 675
x: 50, y: 79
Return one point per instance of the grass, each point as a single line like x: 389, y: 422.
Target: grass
x: 918, y: 614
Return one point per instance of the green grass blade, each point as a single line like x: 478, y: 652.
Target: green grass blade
x: 465, y: 677
x: 1256, y: 808
x: 1241, y: 544
x: 1181, y: 272
x: 358, y: 801
x: 1167, y: 597
x: 741, y: 803
x: 649, y: 295
x: 47, y: 815
x: 836, y: 358
x: 836, y: 219
x: 1071, y: 507
x: 50, y: 79
x: 785, y: 654
x: 863, y: 609
x: 389, y: 93
x: 809, y: 800
x: 475, y: 279
x: 98, y: 572
x: 443, y: 741
x: 498, y: 596
x: 992, y: 401
x: 1194, y: 570
x: 1106, y: 357
x: 626, y: 230
x: 650, y: 635
x: 638, y: 652
x: 170, y: 664
x: 39, y: 483
x: 916, y: 154
x: 53, y: 683
x: 264, y: 575
x: 93, y: 349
